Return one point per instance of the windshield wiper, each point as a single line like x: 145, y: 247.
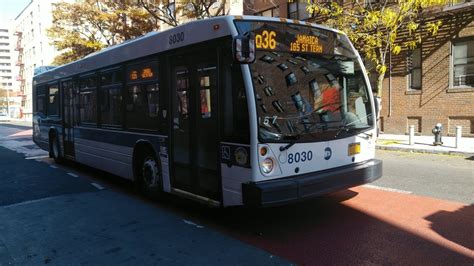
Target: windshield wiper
x: 287, y: 146
x: 347, y: 128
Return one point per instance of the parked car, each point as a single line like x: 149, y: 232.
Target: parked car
x: 4, y: 117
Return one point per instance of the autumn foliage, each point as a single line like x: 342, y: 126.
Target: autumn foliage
x: 378, y: 28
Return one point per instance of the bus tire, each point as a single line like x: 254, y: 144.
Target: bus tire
x: 54, y: 148
x: 149, y: 174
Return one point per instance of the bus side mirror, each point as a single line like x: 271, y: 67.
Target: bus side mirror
x: 243, y: 49
x: 377, y: 102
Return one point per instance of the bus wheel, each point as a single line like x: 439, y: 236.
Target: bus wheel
x: 150, y: 175
x: 55, y: 149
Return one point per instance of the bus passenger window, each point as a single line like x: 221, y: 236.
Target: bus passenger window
x: 153, y: 100
x: 142, y: 99
x: 88, y: 100
x: 111, y: 111
x: 88, y: 106
x: 40, y: 99
x: 53, y: 103
x: 205, y: 84
x: 135, y: 98
x: 182, y: 87
x: 206, y: 103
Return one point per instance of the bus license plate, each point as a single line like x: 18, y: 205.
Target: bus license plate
x: 354, y: 148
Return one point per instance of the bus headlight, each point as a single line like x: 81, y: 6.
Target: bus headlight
x: 267, y: 165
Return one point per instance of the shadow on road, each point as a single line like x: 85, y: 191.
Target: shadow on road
x: 320, y: 231
x: 457, y: 226
x: 323, y: 231
x: 470, y: 158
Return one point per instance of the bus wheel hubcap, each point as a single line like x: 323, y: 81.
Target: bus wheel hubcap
x: 150, y: 173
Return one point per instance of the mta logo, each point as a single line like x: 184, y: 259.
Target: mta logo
x: 327, y: 153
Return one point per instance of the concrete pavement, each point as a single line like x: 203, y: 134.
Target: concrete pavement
x: 49, y: 215
x: 424, y: 144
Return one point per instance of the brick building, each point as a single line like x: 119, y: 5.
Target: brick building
x: 435, y: 82
x: 431, y: 84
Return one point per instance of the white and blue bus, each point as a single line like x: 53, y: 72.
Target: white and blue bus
x: 228, y: 111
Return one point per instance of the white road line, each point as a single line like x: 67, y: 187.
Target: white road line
x: 193, y: 224
x: 36, y: 157
x: 29, y: 202
x: 99, y: 187
x: 73, y: 175
x: 388, y: 189
x: 53, y: 166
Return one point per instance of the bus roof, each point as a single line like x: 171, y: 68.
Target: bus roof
x: 155, y: 42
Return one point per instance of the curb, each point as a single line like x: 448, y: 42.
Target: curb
x: 391, y: 148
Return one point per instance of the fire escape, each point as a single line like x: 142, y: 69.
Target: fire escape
x: 21, y: 65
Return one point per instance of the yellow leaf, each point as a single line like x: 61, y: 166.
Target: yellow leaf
x: 396, y: 49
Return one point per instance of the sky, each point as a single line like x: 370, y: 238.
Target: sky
x: 9, y: 9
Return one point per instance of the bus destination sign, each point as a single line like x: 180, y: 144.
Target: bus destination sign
x: 306, y: 43
x: 302, y: 41
x: 141, y: 73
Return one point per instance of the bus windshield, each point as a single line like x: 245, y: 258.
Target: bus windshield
x: 308, y: 83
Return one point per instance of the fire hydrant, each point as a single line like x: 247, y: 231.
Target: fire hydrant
x: 437, y: 134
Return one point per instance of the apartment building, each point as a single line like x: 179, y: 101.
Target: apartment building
x: 6, y: 57
x: 32, y: 46
x: 8, y: 88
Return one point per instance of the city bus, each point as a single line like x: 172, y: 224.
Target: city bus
x: 228, y: 111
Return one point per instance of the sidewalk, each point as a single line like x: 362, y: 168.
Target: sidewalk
x: 424, y: 144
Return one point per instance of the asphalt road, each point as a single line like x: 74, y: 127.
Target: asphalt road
x: 438, y: 176
x: 420, y: 212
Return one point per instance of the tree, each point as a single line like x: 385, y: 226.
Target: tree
x: 378, y: 28
x: 174, y: 13
x: 86, y: 26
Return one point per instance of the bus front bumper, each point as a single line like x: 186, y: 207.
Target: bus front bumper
x: 301, y: 187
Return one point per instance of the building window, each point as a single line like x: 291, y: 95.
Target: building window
x: 414, y: 69
x: 272, y: 12
x: 463, y: 64
x: 297, y: 10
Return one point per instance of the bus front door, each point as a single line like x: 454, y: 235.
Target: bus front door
x: 68, y: 118
x: 194, y: 126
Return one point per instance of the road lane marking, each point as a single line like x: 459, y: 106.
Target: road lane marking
x: 53, y: 166
x: 99, y: 187
x: 193, y: 224
x: 73, y: 175
x: 388, y: 189
x: 36, y: 157
x: 28, y: 202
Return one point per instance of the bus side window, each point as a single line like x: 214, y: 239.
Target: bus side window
x: 88, y: 100
x: 53, y: 100
x: 153, y: 98
x: 110, y: 98
x: 40, y: 100
x: 234, y: 106
x: 142, y: 99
